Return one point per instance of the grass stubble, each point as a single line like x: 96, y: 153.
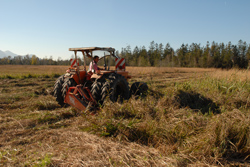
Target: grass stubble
x: 190, y: 117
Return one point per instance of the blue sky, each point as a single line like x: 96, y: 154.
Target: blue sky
x: 49, y: 27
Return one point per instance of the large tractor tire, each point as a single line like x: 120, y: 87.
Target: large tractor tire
x: 96, y: 89
x: 139, y: 89
x: 57, y: 91
x: 116, y: 88
x: 68, y: 82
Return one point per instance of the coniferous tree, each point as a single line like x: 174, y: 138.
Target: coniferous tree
x: 222, y: 56
x: 182, y: 54
x: 227, y: 61
x: 206, y: 56
x: 168, y: 54
x: 136, y: 54
x: 248, y: 55
x: 151, y: 53
x: 242, y: 47
x: 143, y: 58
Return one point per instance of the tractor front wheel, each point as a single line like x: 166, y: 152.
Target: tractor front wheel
x: 116, y: 87
x: 96, y: 90
x: 139, y: 89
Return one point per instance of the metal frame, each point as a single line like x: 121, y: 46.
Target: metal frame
x: 88, y: 51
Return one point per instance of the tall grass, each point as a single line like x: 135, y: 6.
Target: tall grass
x: 204, y: 119
x: 188, y: 118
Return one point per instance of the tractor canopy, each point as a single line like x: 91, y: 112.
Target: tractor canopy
x: 109, y: 49
x: 88, y: 51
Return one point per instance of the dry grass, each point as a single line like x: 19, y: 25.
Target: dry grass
x: 233, y: 74
x: 30, y: 69
x: 16, y: 70
x: 191, y: 117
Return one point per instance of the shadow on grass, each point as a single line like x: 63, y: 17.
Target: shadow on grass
x: 196, y: 101
x: 156, y: 94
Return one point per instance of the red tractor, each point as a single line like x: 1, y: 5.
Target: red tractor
x: 81, y: 88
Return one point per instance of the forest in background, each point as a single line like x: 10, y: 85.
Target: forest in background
x: 214, y: 55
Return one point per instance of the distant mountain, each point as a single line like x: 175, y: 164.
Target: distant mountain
x: 9, y: 53
x: 2, y: 54
x: 6, y: 54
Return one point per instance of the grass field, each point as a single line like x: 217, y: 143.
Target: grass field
x: 190, y: 117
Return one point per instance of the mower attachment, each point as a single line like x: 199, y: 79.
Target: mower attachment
x: 79, y: 97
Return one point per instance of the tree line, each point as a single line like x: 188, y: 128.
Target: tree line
x: 214, y: 55
x: 32, y: 60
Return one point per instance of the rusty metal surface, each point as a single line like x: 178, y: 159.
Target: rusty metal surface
x: 72, y: 100
x: 80, y: 102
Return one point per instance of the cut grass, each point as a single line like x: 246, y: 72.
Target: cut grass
x: 189, y: 118
x: 25, y: 76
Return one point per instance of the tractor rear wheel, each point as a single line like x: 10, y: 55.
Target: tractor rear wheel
x: 116, y: 87
x: 69, y: 82
x: 57, y: 91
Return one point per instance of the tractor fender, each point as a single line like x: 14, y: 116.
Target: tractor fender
x: 75, y: 76
x: 96, y: 76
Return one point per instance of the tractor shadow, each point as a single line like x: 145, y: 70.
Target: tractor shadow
x: 196, y: 101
